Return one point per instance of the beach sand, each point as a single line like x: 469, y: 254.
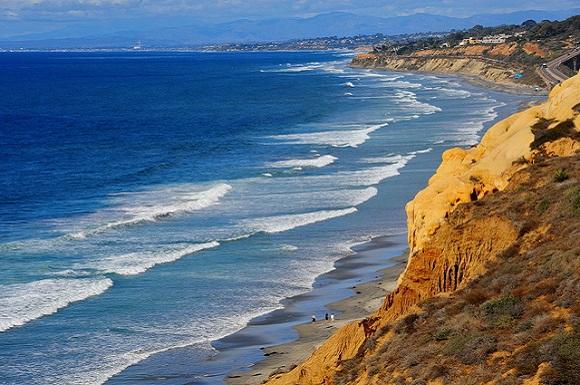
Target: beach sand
x: 366, y: 298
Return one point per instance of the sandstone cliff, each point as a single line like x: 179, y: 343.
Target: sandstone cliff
x: 500, y: 211
x: 489, y: 70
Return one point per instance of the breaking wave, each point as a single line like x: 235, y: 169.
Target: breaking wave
x: 22, y: 303
x: 280, y: 223
x: 338, y: 138
x: 321, y: 161
x: 139, y: 262
x: 135, y: 208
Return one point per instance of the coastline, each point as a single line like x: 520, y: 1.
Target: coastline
x: 373, y: 280
x: 476, y: 80
x: 282, y: 338
x: 280, y: 358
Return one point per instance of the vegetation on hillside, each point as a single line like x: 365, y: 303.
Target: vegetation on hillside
x: 539, y: 41
x: 519, y: 323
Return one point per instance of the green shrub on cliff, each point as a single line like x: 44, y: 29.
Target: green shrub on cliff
x: 560, y: 175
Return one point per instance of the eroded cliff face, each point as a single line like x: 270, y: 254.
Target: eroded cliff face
x: 452, y: 238
x: 488, y: 70
x: 468, y: 175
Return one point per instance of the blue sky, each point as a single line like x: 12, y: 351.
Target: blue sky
x: 31, y: 10
x: 20, y: 17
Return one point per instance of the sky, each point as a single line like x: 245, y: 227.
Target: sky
x: 19, y: 17
x: 29, y: 10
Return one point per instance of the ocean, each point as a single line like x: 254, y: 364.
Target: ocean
x: 154, y: 203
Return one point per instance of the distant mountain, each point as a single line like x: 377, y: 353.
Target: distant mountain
x: 329, y: 24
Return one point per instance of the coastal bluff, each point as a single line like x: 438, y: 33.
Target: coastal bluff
x: 490, y: 292
x: 487, y: 70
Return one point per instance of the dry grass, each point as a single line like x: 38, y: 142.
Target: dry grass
x: 524, y: 311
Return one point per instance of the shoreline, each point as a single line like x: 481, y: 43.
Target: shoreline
x: 472, y: 79
x: 282, y: 357
x: 362, y: 299
x: 277, y: 340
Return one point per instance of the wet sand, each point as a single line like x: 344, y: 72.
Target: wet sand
x: 365, y: 298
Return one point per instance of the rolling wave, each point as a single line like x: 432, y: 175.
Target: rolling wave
x: 280, y: 223
x: 22, y: 303
x: 139, y: 262
x: 297, y: 67
x: 338, y: 138
x: 321, y: 161
x: 137, y: 208
x: 409, y: 99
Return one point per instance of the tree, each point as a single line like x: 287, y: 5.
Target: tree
x: 529, y: 23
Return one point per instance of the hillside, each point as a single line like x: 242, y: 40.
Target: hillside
x: 491, y: 289
x: 498, y: 73
x: 512, y: 59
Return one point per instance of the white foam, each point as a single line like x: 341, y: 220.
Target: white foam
x: 409, y: 99
x: 98, y: 373
x: 425, y: 151
x: 334, y: 67
x: 349, y: 84
x: 388, y: 167
x: 346, y: 54
x: 22, y: 303
x: 280, y: 223
x: 453, y: 93
x: 398, y: 161
x: 469, y: 131
x: 318, y: 162
x: 149, y: 206
x: 298, y: 68
x: 139, y: 262
x: 400, y: 84
x: 301, y: 194
x: 339, y: 138
x: 289, y: 247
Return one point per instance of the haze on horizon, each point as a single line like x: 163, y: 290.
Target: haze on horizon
x: 50, y: 19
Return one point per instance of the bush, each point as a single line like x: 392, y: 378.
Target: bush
x: 502, y: 311
x: 475, y: 296
x: 471, y: 348
x: 566, y: 350
x: 574, y: 197
x: 524, y: 326
x: 437, y: 371
x: 560, y: 175
x: 543, y: 206
x: 561, y: 351
x: 407, y: 324
x: 442, y: 334
x: 527, y: 359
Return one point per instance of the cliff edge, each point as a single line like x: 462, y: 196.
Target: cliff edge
x: 490, y: 292
x: 490, y: 70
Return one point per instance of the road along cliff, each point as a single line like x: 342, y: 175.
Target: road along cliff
x: 491, y: 290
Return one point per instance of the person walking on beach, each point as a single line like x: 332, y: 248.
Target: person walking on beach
x: 326, y: 316
x: 313, y: 318
x: 332, y: 318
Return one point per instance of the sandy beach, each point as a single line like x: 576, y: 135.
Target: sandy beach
x: 365, y: 298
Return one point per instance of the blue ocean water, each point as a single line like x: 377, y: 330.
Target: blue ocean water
x: 151, y: 201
